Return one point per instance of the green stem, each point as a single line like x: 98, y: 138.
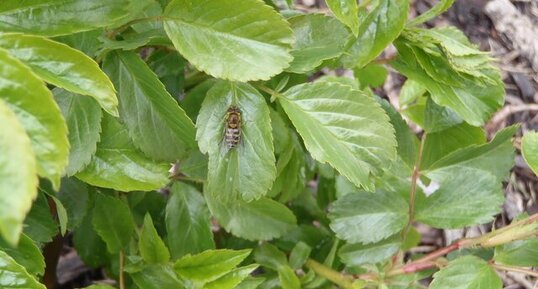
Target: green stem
x: 515, y: 269
x: 122, y: 277
x: 340, y: 279
x: 274, y: 94
x: 413, y: 192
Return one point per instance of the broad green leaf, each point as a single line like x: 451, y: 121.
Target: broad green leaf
x: 347, y: 11
x: 244, y: 219
x: 232, y: 279
x: 440, y: 144
x: 359, y: 254
x: 74, y: 196
x: 27, y: 254
x: 529, y: 150
x: 248, y: 170
x: 474, y: 99
x: 291, y: 167
x: 53, y: 17
x: 169, y: 66
x: 268, y: 255
x: 410, y: 92
x: 288, y: 279
x: 39, y: 224
x: 465, y: 197
x: 250, y: 283
x: 113, y: 221
x: 90, y: 247
x: 18, y: 180
x: 86, y: 41
x: 519, y: 253
x: 62, y: 66
x: 150, y: 244
x: 440, y: 7
x: 15, y: 276
x: 376, y: 32
x: 438, y: 118
x: 299, y: 255
x: 192, y: 102
x: 495, y: 157
x: 468, y: 272
x: 156, y: 276
x: 83, y: 117
x: 209, y: 265
x: 368, y: 217
x: 117, y: 164
x: 408, y: 143
x: 318, y: 38
x: 28, y: 97
x: 188, y: 222
x: 373, y: 75
x: 156, y: 123
x: 342, y: 127
x: 252, y: 44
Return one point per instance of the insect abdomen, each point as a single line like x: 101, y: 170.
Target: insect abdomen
x: 232, y: 134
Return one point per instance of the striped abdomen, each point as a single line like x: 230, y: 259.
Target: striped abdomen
x: 232, y: 132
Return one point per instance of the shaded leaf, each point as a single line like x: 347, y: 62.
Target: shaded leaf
x: 252, y: 44
x: 151, y: 246
x: 187, y: 222
x: 39, y: 224
x: 113, y: 221
x: 368, y: 217
x: 74, y: 196
x: 90, y: 247
x: 342, y: 127
x: 117, y: 164
x: 27, y: 254
x: 156, y: 123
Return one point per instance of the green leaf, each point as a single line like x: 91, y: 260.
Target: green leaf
x: 467, y: 272
x: 473, y: 92
x: 74, y: 196
x: 90, y: 247
x: 299, y: 254
x: 52, y: 18
x: 232, y: 279
x: 39, y: 115
x: 376, y: 32
x: 438, y: 118
x: 495, y: 157
x: 27, y: 254
x: 17, y: 175
x: 342, y: 127
x: 248, y: 170
x: 113, y: 221
x: 209, y: 265
x: 151, y: 246
x: 253, y: 44
x: 40, y: 225
x: 347, y: 11
x: 192, y: 102
x: 373, y: 75
x: 467, y: 196
x: 117, y: 164
x: 156, y: 123
x: 437, y: 9
x: 83, y: 117
x: 288, y: 279
x: 268, y: 255
x: 359, y: 254
x: 245, y: 219
x: 250, y: 283
x: 62, y: 66
x: 442, y: 143
x: 318, y: 38
x: 15, y: 276
x: 156, y: 276
x: 87, y: 41
x: 519, y: 253
x: 529, y: 150
x: 61, y: 214
x: 368, y: 217
x: 188, y: 222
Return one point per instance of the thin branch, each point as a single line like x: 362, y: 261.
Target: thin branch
x: 515, y: 269
x: 340, y: 279
x: 122, y: 277
x: 413, y: 192
x: 508, y: 110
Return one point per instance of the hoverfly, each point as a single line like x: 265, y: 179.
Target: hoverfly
x: 232, y: 132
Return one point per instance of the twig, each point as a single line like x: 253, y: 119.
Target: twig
x: 122, y: 277
x: 413, y: 192
x: 508, y: 110
x: 515, y: 269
